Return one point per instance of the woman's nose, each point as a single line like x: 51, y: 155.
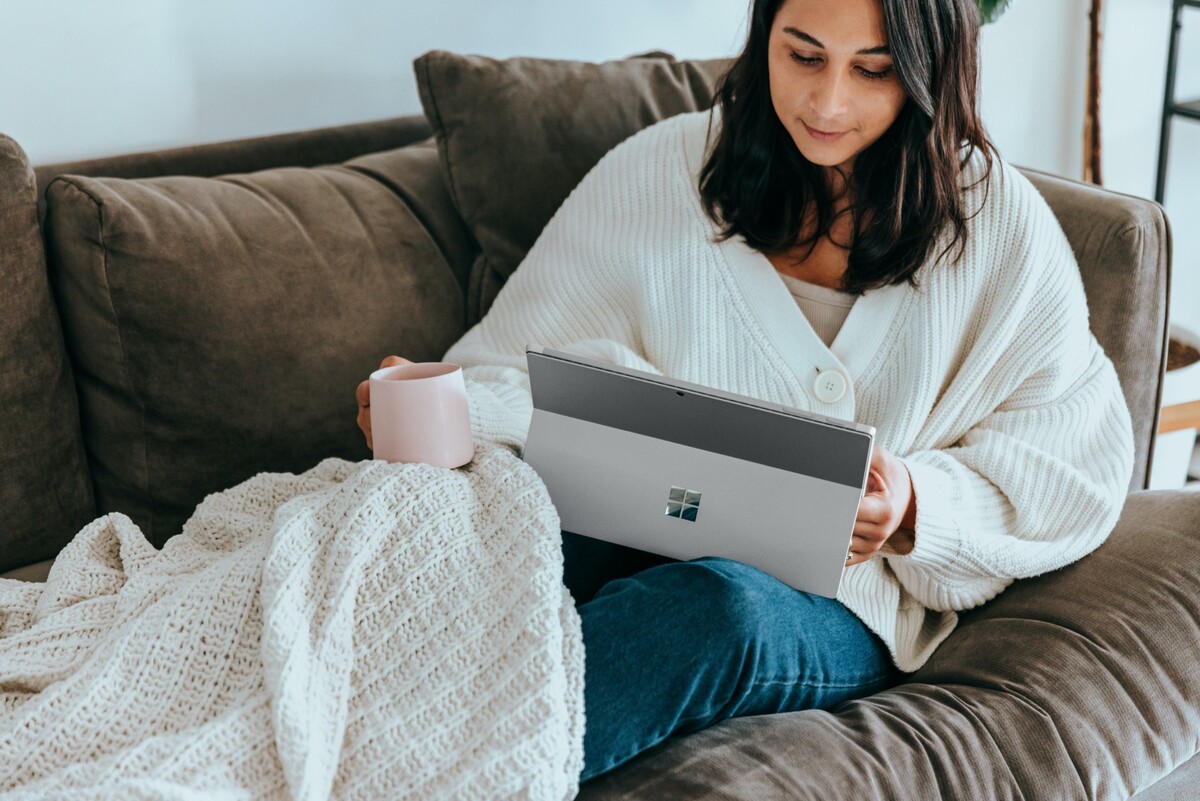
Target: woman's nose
x: 829, y: 101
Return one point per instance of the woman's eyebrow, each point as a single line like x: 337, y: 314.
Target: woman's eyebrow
x: 881, y: 50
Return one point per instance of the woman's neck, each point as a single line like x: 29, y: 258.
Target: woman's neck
x: 824, y: 266
x: 837, y: 180
x: 829, y: 258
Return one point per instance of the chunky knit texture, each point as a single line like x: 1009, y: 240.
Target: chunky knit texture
x: 359, y: 631
x: 985, y: 379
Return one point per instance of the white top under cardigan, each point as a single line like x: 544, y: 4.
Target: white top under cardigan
x: 825, y: 309
x: 985, y: 380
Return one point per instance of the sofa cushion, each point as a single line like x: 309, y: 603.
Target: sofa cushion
x: 46, y: 494
x: 36, y: 572
x: 218, y: 326
x: 1082, y: 683
x: 517, y: 135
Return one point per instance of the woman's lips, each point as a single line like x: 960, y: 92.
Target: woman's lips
x: 822, y: 136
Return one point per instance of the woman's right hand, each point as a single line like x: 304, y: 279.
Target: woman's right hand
x: 363, y: 395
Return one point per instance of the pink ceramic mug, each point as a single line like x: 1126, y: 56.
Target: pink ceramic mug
x: 419, y: 414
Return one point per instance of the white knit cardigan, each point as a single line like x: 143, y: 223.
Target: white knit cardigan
x: 985, y: 379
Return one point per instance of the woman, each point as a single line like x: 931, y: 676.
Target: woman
x: 932, y: 296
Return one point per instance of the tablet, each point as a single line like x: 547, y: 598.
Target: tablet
x: 685, y: 470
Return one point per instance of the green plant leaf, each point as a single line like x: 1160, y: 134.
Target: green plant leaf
x: 992, y: 9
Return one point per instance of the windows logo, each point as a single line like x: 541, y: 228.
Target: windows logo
x: 683, y: 503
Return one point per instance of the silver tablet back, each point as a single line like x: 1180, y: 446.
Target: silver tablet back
x: 682, y: 470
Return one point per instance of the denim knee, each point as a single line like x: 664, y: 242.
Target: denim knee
x: 749, y: 616
x: 681, y: 646
x: 722, y: 596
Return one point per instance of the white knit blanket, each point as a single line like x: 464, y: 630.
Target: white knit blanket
x: 359, y: 631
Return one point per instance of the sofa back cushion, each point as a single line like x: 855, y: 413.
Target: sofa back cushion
x: 45, y: 492
x: 218, y: 326
x: 517, y: 135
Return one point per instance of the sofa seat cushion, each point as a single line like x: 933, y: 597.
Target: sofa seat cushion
x: 517, y: 135
x: 1082, y: 683
x: 46, y: 493
x: 35, y: 572
x: 219, y: 326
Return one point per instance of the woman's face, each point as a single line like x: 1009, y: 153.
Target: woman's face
x: 832, y: 82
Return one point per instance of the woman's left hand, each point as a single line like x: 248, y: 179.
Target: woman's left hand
x: 888, y: 509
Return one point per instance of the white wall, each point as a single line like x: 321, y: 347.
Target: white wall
x: 1034, y: 81
x: 1134, y: 64
x: 104, y: 78
x: 126, y: 75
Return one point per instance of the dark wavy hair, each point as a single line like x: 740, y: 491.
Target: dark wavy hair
x: 905, y: 186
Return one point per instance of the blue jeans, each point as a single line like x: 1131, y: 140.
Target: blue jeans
x: 674, y: 647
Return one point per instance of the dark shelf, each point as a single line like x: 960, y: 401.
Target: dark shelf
x: 1189, y: 108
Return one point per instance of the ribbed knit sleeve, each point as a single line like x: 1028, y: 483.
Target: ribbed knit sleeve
x: 1039, y: 481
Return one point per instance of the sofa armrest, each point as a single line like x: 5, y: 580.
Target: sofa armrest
x: 45, y: 489
x: 1123, y: 246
